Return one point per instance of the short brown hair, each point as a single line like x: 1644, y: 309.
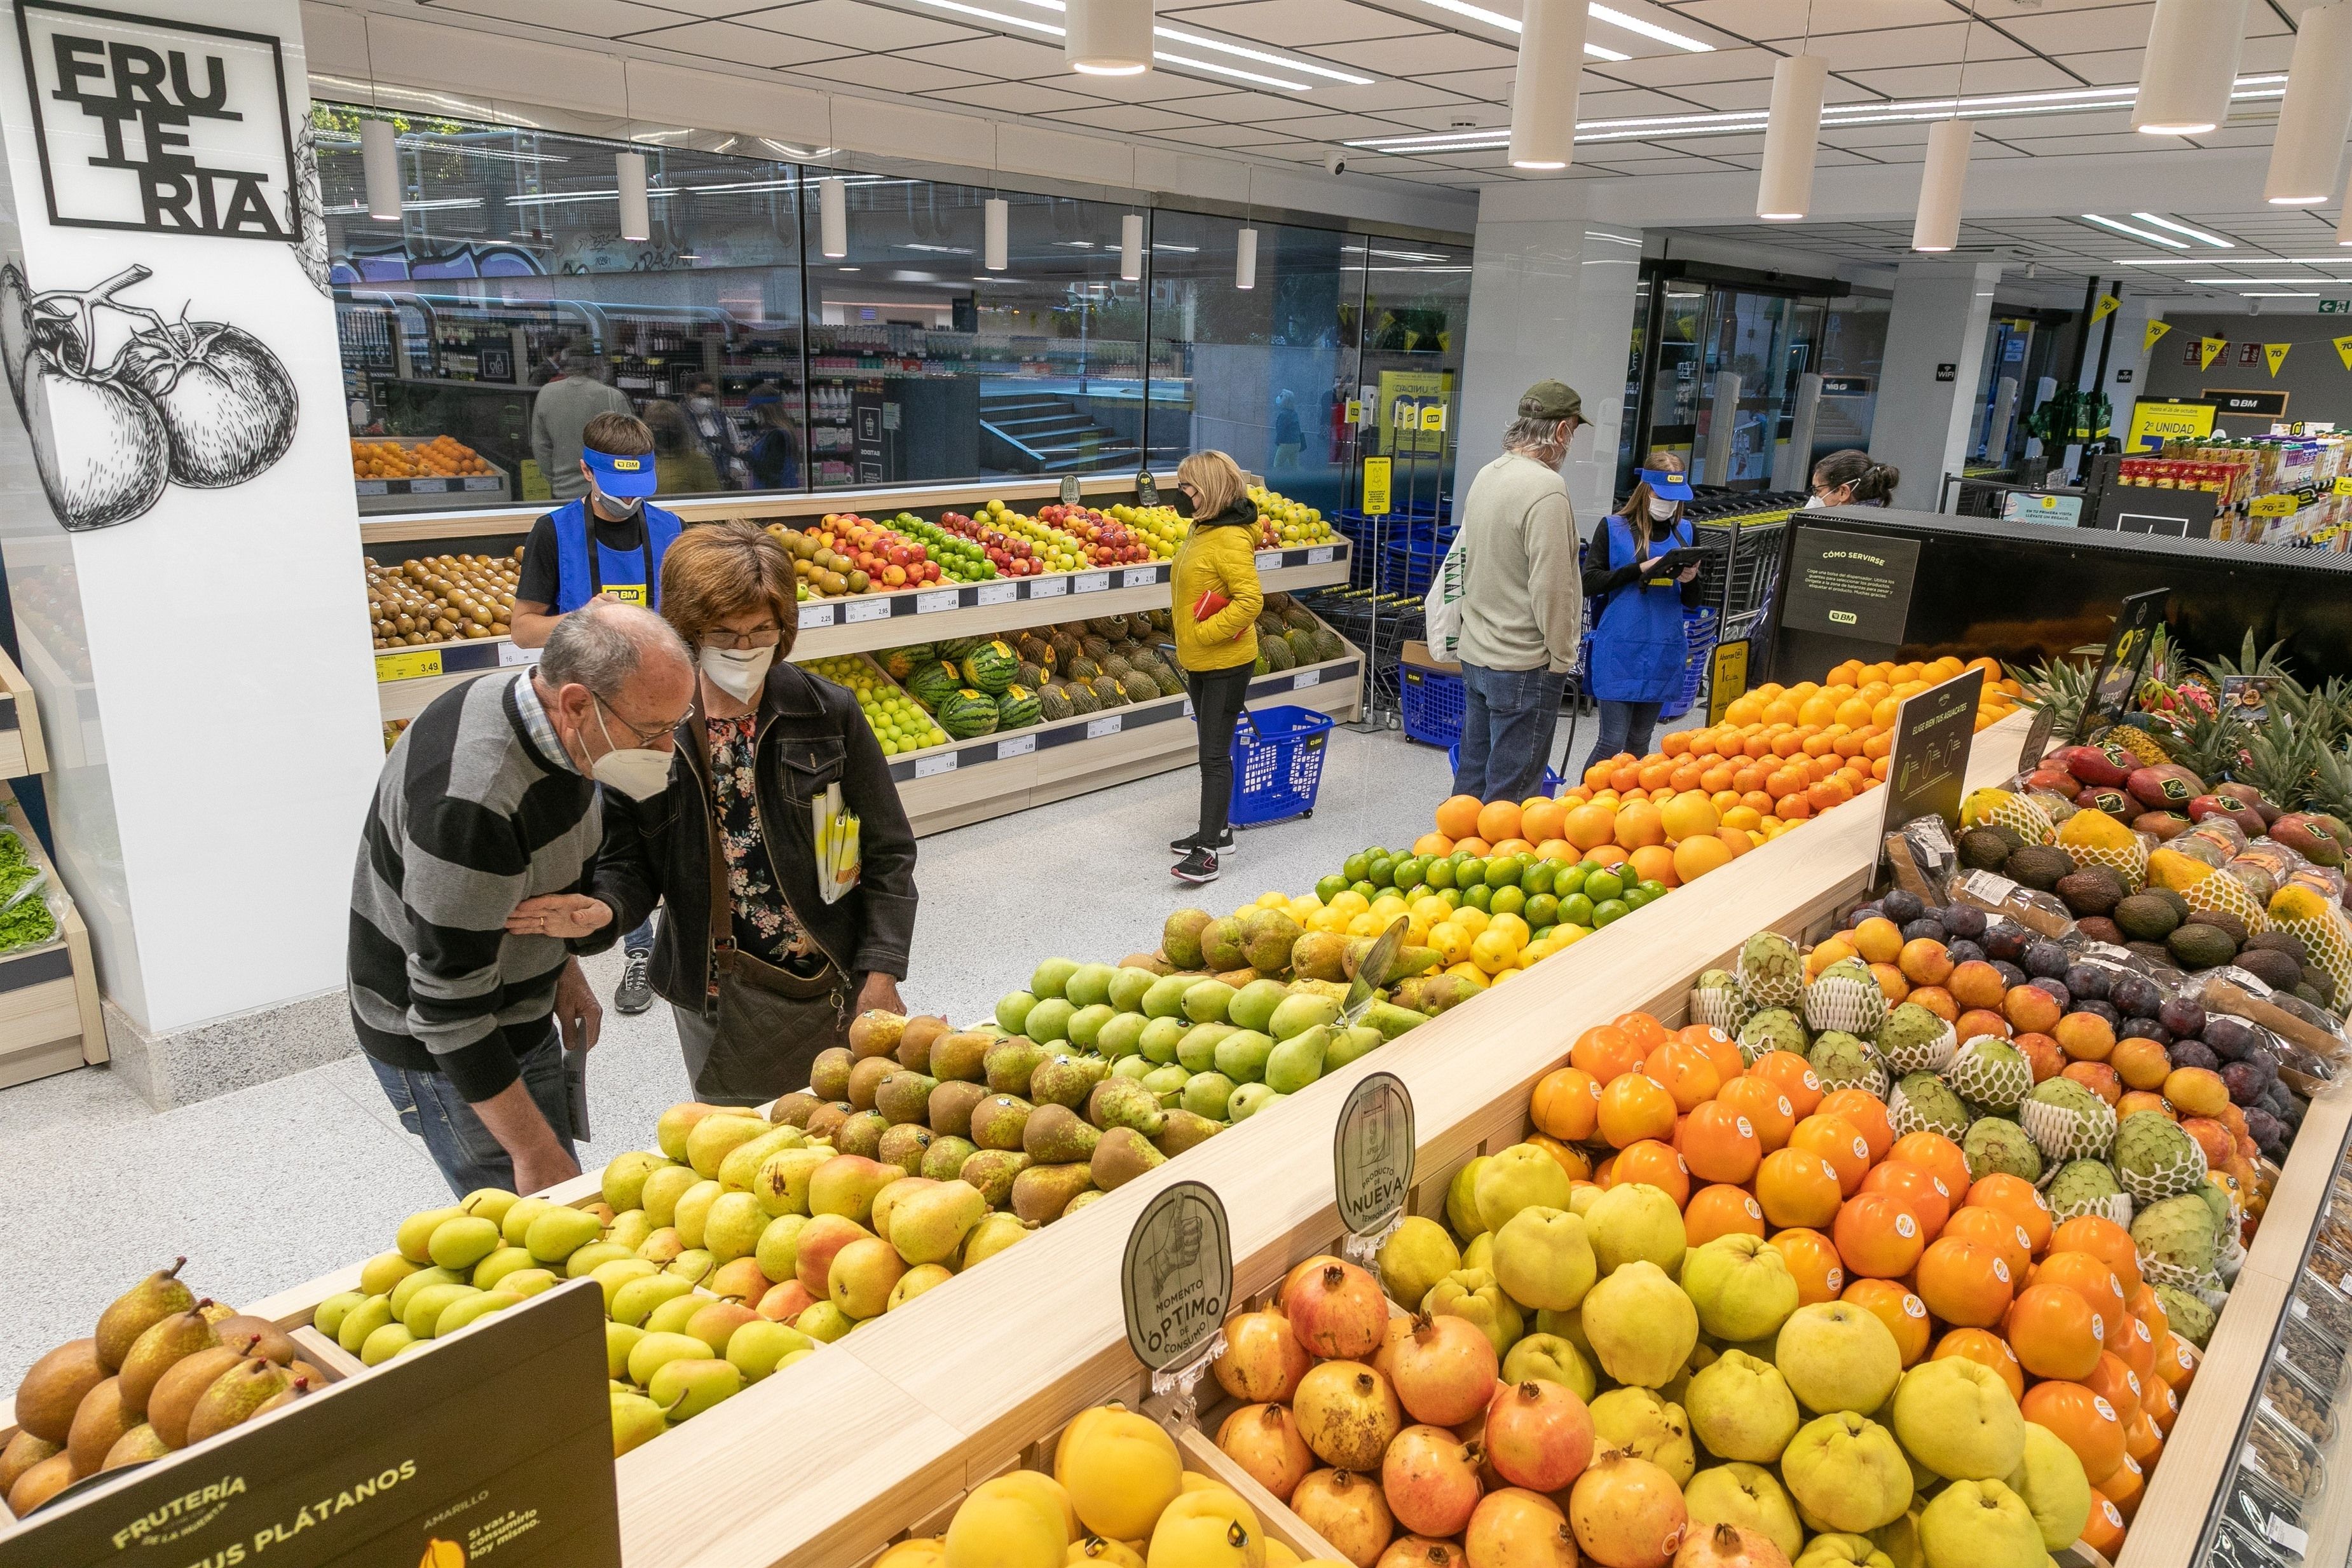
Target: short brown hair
x: 621, y: 435
x: 1217, y: 477
x: 718, y: 570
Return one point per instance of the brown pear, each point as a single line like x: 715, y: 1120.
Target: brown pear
x: 234, y: 1395
x: 53, y: 1389
x: 97, y: 1423
x: 174, y: 1398
x: 40, y: 1483
x: 22, y: 1452
x: 157, y: 1350
x: 270, y: 1342
x: 138, y: 1309
x: 304, y: 1369
x: 135, y: 1447
x: 297, y: 1387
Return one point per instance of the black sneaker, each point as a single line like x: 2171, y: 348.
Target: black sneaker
x: 1222, y: 846
x: 633, y: 995
x: 1197, y: 866
x: 1182, y: 845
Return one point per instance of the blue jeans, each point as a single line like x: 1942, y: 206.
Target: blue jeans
x: 1624, y: 727
x: 1509, y: 719
x: 641, y: 940
x: 468, y: 1155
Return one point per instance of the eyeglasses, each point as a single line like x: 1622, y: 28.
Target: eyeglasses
x: 757, y: 637
x: 643, y: 737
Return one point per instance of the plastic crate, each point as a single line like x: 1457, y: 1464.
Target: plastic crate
x: 1432, y: 704
x: 1552, y: 782
x: 1277, y: 764
x: 1699, y: 636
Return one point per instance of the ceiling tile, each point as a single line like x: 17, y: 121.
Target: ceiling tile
x: 1299, y: 23
x: 1344, y: 127
x: 1126, y: 117
x: 1886, y: 47
x: 1680, y: 69
x: 741, y: 45
x: 892, y: 74
x: 2024, y: 74
x: 2106, y: 68
x: 1423, y: 56
x: 1012, y: 58
x: 604, y: 19
x: 1909, y: 133
x: 1488, y: 85
x: 1382, y: 98
x: 1019, y: 97
x: 1164, y: 85
x: 856, y: 25
x: 1625, y: 102
x: 1761, y: 19
x: 2059, y: 32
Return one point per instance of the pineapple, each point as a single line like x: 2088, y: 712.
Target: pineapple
x: 2210, y: 745
x: 2330, y: 788
x: 2279, y: 763
x: 2062, y: 686
x: 2138, y: 734
x: 2249, y: 661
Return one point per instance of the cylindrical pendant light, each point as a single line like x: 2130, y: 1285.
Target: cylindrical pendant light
x: 1937, y: 227
x: 1785, y: 191
x: 379, y: 165
x: 636, y: 214
x: 2190, y: 66
x: 1130, y: 246
x: 998, y: 242
x: 1544, y: 87
x: 1108, y: 38
x: 1245, y: 259
x: 833, y: 217
x: 2315, y: 112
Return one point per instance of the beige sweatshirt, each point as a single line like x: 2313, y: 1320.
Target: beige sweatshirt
x: 1523, y: 597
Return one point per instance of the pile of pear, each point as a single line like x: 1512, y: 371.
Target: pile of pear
x: 163, y: 1370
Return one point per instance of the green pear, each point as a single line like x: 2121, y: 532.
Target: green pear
x: 362, y: 1321
x: 733, y: 1226
x: 1637, y: 1422
x: 779, y: 1248
x: 1242, y: 1055
x: 1115, y: 1103
x: 1417, y: 1254
x: 781, y: 1182
x: 1301, y: 1011
x: 743, y: 1161
x: 505, y: 1260
x: 663, y: 1188
x: 425, y: 1306
x: 1520, y: 1177
x: 1957, y: 1417
x: 1745, y: 1495
x: 1740, y: 1408
x: 1462, y: 1199
x: 930, y: 1226
x: 848, y: 1185
x: 1298, y: 1060
x: 688, y: 1388
x: 657, y: 1350
x: 1347, y: 1044
x: 587, y: 1260
x: 825, y: 1321
x: 1634, y: 1220
x: 380, y: 1273
x: 424, y: 1278
x: 384, y: 1343
x: 1197, y: 1051
x: 414, y: 1237
x: 694, y: 1266
x: 1543, y: 1258
x: 1049, y: 1021
x: 328, y: 1315
x: 1208, y: 1001
x: 1052, y: 977
x: 1979, y: 1524
x: 630, y: 1228
x: 1548, y: 1358
x: 1741, y: 1285
x: 716, y: 1137
x: 1129, y: 987
x: 1013, y: 1011
x: 1251, y: 1006
x: 1641, y: 1324
x: 637, y: 1421
x: 1208, y: 1094
x: 694, y: 1211
x: 1121, y: 1038
x: 1166, y: 1084
x: 613, y: 1275
x: 1848, y: 1473
x: 675, y: 1125
x: 1247, y: 1100
x: 558, y: 1232
x: 1158, y: 1042
x: 619, y: 1340
x: 622, y: 1183
x: 1837, y: 1356
x: 994, y: 1234
x: 1472, y: 1295
x: 2048, y: 1477
x: 716, y: 1323
x: 673, y: 1315
x: 921, y: 1278
x: 637, y: 1299
x: 759, y: 1345
x: 1165, y: 998
x: 481, y: 1304
x: 528, y: 1283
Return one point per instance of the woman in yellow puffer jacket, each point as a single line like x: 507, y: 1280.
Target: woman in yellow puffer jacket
x: 1216, y: 598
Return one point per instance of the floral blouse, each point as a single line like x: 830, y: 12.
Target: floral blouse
x: 765, y: 927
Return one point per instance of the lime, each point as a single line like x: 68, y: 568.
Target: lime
x: 1538, y: 877
x: 1603, y: 886
x: 1541, y: 932
x: 1355, y: 866
x: 1478, y: 895
x: 1330, y: 887
x: 1453, y: 896
x: 1411, y: 870
x: 1576, y: 910
x: 1609, y: 909
x: 1635, y: 897
x: 1503, y: 871
x: 1569, y: 879
x: 1653, y: 888
x: 1366, y: 889
x: 1440, y: 874
x: 1471, y: 870
x: 1542, y: 909
x: 1506, y: 900
x: 1379, y: 870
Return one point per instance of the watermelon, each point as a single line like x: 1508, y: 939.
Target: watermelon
x: 900, y: 663
x: 965, y: 713
x: 933, y: 682
x: 990, y: 666
x: 956, y: 649
x: 1018, y: 708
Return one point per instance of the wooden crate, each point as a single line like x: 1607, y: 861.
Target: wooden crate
x: 21, y: 747
x: 49, y: 1018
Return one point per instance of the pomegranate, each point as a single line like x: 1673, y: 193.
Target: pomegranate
x: 1384, y: 1358
x: 1263, y: 1360
x: 1348, y: 1510
x: 1337, y: 1311
x: 1730, y: 1546
x: 1419, y: 1552
x: 1514, y: 1528
x: 1443, y: 1370
x: 1348, y: 1413
x: 1627, y: 1512
x: 1538, y: 1435
x: 1265, y: 1441
x: 1281, y: 1302
x: 1431, y: 1479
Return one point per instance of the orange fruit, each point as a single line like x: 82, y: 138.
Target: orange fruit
x: 1566, y: 1103
x: 2108, y: 1242
x: 1977, y: 984
x: 1918, y: 1189
x: 1458, y: 818
x: 2016, y: 1196
x: 1605, y: 1051
x: 1642, y: 1030
x: 2136, y: 1343
x: 2092, y: 1280
x: 2128, y: 1482
x: 1877, y: 1235
x: 1639, y: 823
x: 1720, y: 1048
x: 2031, y: 1009
x: 2097, y: 1077
x: 1498, y: 821
x: 1685, y: 1072
x: 1633, y: 1108
x: 2162, y: 1405
x: 1798, y: 1188
x: 1878, y: 939
x: 1793, y: 1076
x: 1987, y: 1350
x: 1866, y: 1114
x: 1542, y: 818
x: 1924, y: 962
x: 1992, y: 1228
x: 1721, y: 1144
x: 2055, y: 1333
x: 1939, y: 1154
x: 2116, y: 1384
x: 1904, y: 1314
x: 1979, y: 1021
x: 2083, y: 1037
x: 1963, y: 1283
x: 1656, y: 1164
x: 1766, y: 1107
x: 1835, y: 1139
x: 1569, y: 1157
x: 2141, y: 1063
x: 1813, y: 1259
x: 2176, y: 1360
x: 1589, y: 827
x: 1937, y: 1001
x: 2082, y: 1420
x: 1722, y: 1210
x: 2105, y: 1532
x: 2041, y: 1053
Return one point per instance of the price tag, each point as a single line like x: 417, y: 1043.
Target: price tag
x: 1015, y: 746
x: 1177, y: 1277
x: 2279, y: 506
x: 998, y: 592
x: 415, y: 663
x: 2298, y: 1309
x: 1070, y: 490
x: 428, y: 487
x: 1188, y: 713
x: 1139, y: 577
x: 813, y: 614
x: 1305, y: 678
x: 374, y: 486
x: 1373, y: 1154
x: 1098, y: 728
x: 480, y: 482
x: 2344, y: 486
x: 1269, y: 560
x: 1320, y: 554
x: 508, y: 655
x: 931, y: 603
x: 1090, y: 582
x: 2037, y: 740
x: 1049, y: 586
x: 858, y: 609
x: 2295, y: 1538
x: 937, y: 763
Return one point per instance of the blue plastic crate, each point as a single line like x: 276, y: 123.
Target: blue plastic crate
x: 1431, y: 703
x: 1552, y: 782
x: 1277, y: 764
x: 1699, y: 637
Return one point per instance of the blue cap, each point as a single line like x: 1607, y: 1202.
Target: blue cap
x: 624, y: 476
x: 1665, y: 486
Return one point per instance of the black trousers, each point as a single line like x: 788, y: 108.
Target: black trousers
x: 1217, y: 697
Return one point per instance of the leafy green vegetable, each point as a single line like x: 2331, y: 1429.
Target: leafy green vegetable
x: 28, y: 925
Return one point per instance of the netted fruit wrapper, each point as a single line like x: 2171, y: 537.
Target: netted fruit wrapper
x: 1846, y: 1002
x: 1930, y: 1055
x: 2068, y: 1132
x: 1903, y: 1115
x: 2128, y: 862
x: 1990, y: 1079
x: 2167, y: 1178
x: 1725, y: 1007
x: 2114, y: 1206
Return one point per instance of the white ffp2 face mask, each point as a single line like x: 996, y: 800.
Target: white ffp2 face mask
x: 1660, y: 510
x: 738, y: 672
x: 637, y: 771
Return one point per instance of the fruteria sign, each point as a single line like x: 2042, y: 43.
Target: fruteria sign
x: 2156, y: 420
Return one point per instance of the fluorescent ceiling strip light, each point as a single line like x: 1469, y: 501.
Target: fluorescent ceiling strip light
x: 1616, y: 18
x: 2235, y: 281
x: 2259, y: 296
x: 1234, y: 71
x: 2184, y: 229
x: 2249, y: 261
x: 2123, y: 228
x: 1220, y: 46
x: 1511, y: 25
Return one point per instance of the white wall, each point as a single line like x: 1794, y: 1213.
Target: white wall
x: 1938, y: 317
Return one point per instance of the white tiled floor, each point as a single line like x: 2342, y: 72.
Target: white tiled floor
x: 273, y: 1184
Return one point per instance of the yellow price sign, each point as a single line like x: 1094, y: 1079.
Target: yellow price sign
x: 1376, y: 487
x: 626, y: 592
x: 2153, y: 421
x: 1433, y: 417
x: 2344, y: 486
x: 1355, y: 410
x: 1727, y: 679
x: 409, y: 664
x: 2281, y: 506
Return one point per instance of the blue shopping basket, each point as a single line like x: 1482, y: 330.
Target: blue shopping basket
x: 1552, y: 782
x: 1431, y: 703
x: 1277, y: 764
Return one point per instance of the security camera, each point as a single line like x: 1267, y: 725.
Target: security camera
x: 1335, y: 161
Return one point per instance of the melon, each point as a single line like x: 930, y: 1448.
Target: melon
x: 990, y: 666
x: 1085, y: 669
x: 1275, y: 652
x: 965, y: 713
x: 1018, y: 708
x: 1053, y: 703
x: 1302, y: 646
x: 1140, y: 688
x: 1107, y: 693
x: 933, y: 682
x: 900, y: 663
x: 1030, y: 675
x: 1082, y: 697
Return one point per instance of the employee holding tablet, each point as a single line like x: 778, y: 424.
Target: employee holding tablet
x: 1641, y: 565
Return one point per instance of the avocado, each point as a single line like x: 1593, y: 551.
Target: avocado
x: 2232, y: 927
x: 2200, y: 948
x: 2272, y: 967
x: 2038, y: 866
x: 2171, y: 896
x: 1984, y: 849
x: 2280, y: 941
x: 2094, y: 890
x: 2145, y: 917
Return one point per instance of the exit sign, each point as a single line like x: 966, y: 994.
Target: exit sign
x: 2335, y: 308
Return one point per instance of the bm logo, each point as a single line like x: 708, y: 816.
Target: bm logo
x: 171, y: 127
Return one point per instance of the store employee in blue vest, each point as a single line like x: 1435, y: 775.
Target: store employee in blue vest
x: 607, y: 544
x: 1639, y: 646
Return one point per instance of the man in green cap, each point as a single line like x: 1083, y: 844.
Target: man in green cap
x: 1522, y: 605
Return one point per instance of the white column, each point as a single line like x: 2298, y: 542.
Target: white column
x: 184, y: 557
x: 1939, y: 317
x: 2127, y: 356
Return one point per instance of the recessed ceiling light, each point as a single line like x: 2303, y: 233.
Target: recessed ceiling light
x: 2180, y: 228
x: 2123, y: 228
x: 1512, y: 24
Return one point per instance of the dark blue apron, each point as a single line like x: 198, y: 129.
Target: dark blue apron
x: 633, y: 577
x: 1639, y: 646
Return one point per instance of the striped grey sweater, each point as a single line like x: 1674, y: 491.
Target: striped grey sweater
x: 472, y: 816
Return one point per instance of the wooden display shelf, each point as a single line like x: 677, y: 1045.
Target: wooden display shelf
x: 21, y: 749
x: 49, y: 1018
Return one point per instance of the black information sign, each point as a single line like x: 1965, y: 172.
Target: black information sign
x: 1146, y: 489
x: 1847, y: 386
x: 1070, y: 491
x: 1929, y: 762
x: 2037, y: 739
x: 1372, y: 1153
x: 2118, y: 674
x: 1177, y: 1278
x: 495, y: 1445
x: 2225, y: 402
x: 1945, y: 371
x: 1850, y: 585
